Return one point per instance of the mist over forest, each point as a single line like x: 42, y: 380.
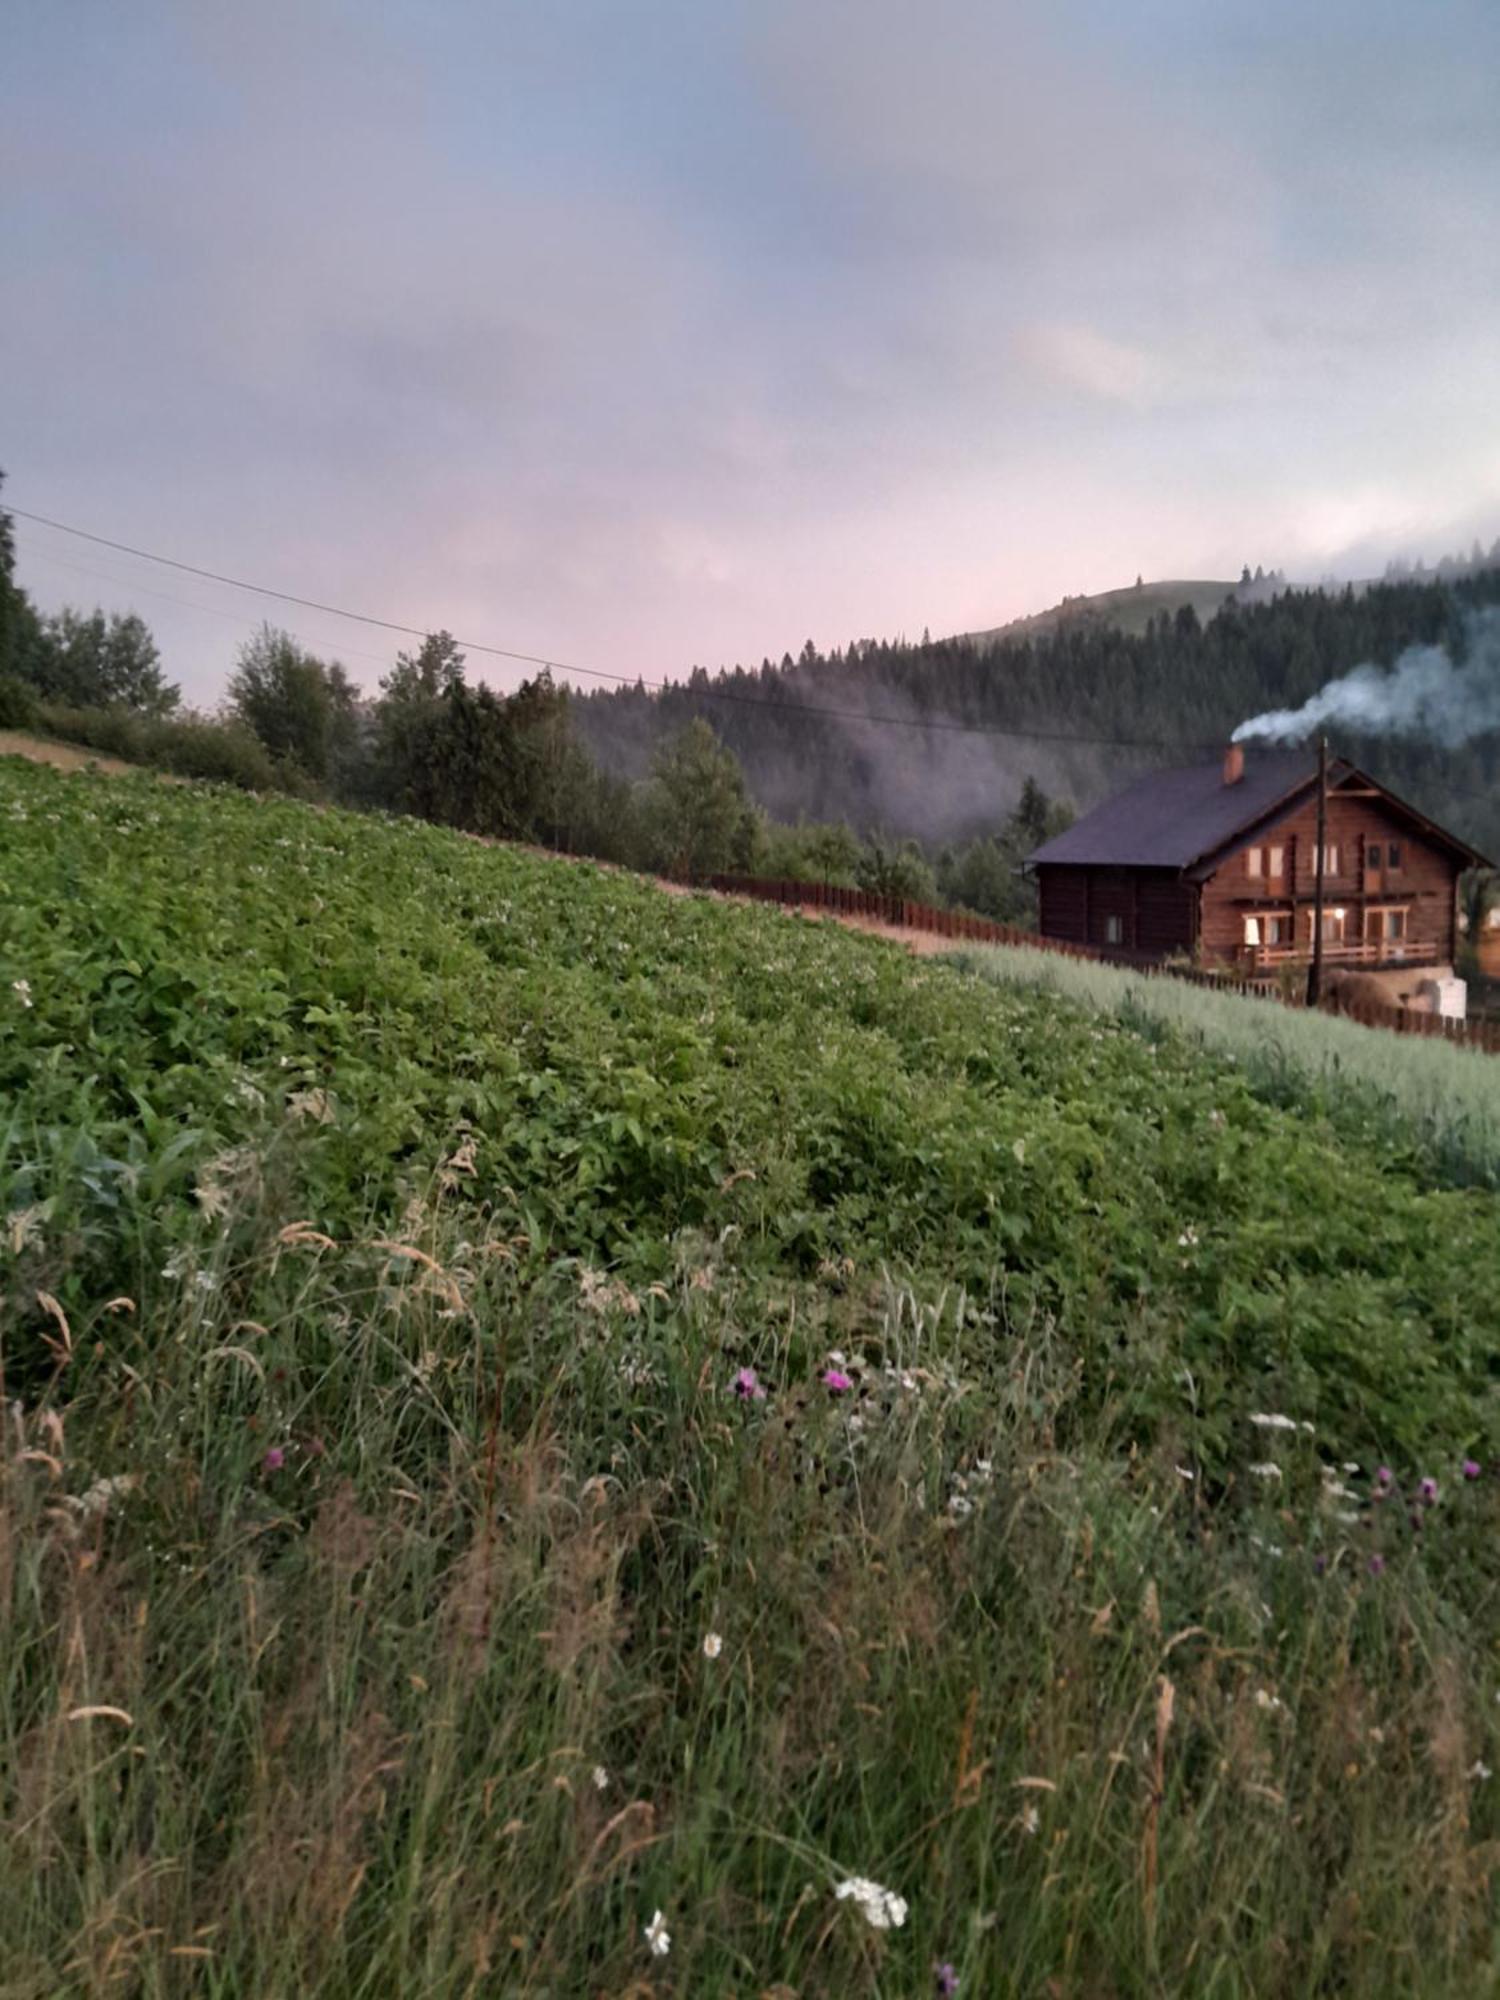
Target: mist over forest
x: 1104, y: 705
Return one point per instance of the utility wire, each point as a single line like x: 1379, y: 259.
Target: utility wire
x: 931, y: 723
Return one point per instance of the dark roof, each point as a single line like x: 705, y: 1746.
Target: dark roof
x: 1170, y: 819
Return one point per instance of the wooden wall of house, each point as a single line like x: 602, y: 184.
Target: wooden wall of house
x: 1425, y: 883
x: 1154, y: 908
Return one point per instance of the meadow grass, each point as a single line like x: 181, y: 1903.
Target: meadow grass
x: 1441, y: 1096
x: 530, y: 1403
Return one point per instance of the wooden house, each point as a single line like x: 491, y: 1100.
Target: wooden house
x: 1219, y: 861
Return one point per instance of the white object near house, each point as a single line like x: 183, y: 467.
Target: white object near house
x: 1447, y: 997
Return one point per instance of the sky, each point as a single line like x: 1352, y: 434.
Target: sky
x: 640, y: 334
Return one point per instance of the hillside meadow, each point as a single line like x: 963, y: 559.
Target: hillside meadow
x: 559, y: 1440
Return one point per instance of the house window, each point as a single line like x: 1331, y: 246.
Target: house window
x: 1114, y: 930
x: 1279, y: 928
x: 1333, y: 926
x: 1252, y: 930
x: 1385, y: 926
x: 1255, y: 861
x: 1393, y: 857
x: 1276, y: 858
x: 1330, y: 859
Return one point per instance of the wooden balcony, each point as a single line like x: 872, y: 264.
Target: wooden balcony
x: 1374, y: 954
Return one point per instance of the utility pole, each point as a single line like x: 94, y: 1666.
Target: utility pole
x: 1315, y: 970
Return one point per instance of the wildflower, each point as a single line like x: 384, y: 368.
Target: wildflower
x: 274, y: 1459
x: 882, y: 1909
x: 960, y: 1506
x: 713, y: 1645
x: 1272, y: 1421
x: 747, y: 1386
x: 657, y: 1937
x: 836, y: 1380
x: 1031, y: 1820
x: 945, y: 1978
x: 1266, y: 1700
x: 1188, y: 1240
x: 1479, y: 1771
x: 1268, y: 1470
x: 1428, y: 1491
x: 1471, y: 1468
x: 599, y: 1778
x: 1383, y: 1475
x: 1376, y: 1565
x: 22, y: 990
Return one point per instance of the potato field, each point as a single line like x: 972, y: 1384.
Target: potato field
x: 560, y: 1440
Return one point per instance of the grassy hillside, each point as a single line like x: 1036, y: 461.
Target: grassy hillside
x: 1130, y: 609
x: 534, y: 1403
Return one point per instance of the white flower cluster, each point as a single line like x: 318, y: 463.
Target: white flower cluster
x: 1272, y: 1420
x: 882, y: 1909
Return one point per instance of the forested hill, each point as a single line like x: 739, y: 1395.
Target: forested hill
x: 1177, y: 687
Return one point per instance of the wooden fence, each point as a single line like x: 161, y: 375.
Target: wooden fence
x: 955, y: 924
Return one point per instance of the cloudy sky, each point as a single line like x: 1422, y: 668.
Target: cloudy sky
x: 641, y: 333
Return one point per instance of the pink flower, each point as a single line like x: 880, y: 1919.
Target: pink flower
x: 747, y: 1386
x: 947, y: 1978
x: 1383, y: 1475
x: 1376, y: 1565
x: 1428, y: 1491
x: 274, y: 1459
x: 1471, y: 1468
x: 836, y: 1380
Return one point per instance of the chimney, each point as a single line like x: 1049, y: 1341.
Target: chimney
x: 1234, y: 764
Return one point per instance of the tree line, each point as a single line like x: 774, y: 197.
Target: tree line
x: 821, y: 768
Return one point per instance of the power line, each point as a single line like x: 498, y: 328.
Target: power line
x: 931, y: 723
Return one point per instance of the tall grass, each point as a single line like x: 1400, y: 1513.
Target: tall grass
x: 355, y: 1596
x: 1438, y: 1095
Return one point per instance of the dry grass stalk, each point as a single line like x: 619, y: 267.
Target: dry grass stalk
x: 1166, y: 1701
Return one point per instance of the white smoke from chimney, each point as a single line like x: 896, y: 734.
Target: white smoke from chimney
x: 1425, y: 694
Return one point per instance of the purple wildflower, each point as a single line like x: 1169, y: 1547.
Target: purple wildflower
x: 1376, y: 1565
x: 1320, y: 1564
x: 1383, y: 1475
x: 946, y: 1978
x: 274, y: 1459
x: 1472, y: 1468
x: 1428, y: 1491
x: 747, y: 1386
x: 836, y: 1380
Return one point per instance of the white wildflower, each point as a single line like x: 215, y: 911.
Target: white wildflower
x: 599, y: 1778
x: 1268, y: 1470
x: 1188, y: 1240
x: 22, y: 990
x: 1184, y: 1472
x: 960, y: 1506
x: 1271, y: 1421
x: 1479, y: 1771
x: 713, y: 1645
x: 1265, y: 1699
x: 657, y: 1936
x: 1031, y: 1820
x: 882, y: 1909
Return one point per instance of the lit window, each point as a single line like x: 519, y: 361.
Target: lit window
x: 1278, y: 861
x: 1278, y: 929
x: 1252, y: 930
x: 1331, y: 859
x: 1114, y: 930
x: 1254, y: 858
